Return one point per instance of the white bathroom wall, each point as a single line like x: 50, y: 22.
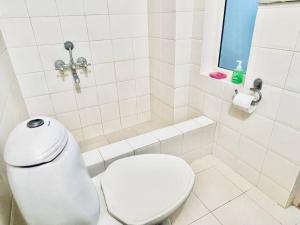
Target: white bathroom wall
x: 175, y: 31
x: 262, y: 147
x: 111, y: 34
x: 12, y: 111
x: 162, y: 27
x: 188, y: 45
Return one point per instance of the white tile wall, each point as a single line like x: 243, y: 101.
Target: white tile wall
x: 47, y: 30
x: 112, y: 35
x: 289, y: 109
x: 175, y: 30
x: 12, y: 112
x: 262, y: 65
x: 262, y: 147
x: 18, y: 31
x: 38, y: 8
x: 286, y: 141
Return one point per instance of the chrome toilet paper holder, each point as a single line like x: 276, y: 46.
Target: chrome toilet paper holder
x: 256, y: 89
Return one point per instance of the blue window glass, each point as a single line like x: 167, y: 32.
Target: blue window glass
x: 238, y: 26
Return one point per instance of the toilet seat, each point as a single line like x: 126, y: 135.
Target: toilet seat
x: 146, y: 189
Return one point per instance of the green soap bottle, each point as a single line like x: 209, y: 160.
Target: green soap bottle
x: 238, y: 74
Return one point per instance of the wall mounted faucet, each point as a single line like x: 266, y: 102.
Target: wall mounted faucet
x: 81, y: 63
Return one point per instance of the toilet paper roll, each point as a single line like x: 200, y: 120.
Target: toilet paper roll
x: 243, y: 102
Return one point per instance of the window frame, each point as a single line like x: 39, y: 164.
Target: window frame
x: 213, y: 29
x: 222, y: 35
x: 212, y: 37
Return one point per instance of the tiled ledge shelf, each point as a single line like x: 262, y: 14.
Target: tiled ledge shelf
x: 189, y: 140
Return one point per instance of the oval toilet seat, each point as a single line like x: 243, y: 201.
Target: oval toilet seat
x: 146, y: 189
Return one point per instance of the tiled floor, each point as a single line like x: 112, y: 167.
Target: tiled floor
x: 125, y: 133
x: 222, y: 197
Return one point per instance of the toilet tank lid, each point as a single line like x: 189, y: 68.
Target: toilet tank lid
x: 35, y: 141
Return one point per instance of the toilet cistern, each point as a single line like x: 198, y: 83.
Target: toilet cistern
x: 81, y: 63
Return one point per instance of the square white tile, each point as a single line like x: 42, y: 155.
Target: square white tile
x: 289, y: 109
x: 110, y: 111
x: 65, y: 9
x: 283, y: 136
x: 288, y: 216
x: 143, y: 103
x: 251, y: 153
x: 142, y: 86
x: 245, y: 212
x: 90, y: 116
x: 192, y: 210
x: 285, y: 175
x: 123, y: 49
x: 33, y: 84
x: 126, y: 89
x: 207, y: 220
x: 105, y: 73
x: 25, y: 59
x: 86, y: 97
x: 124, y: 70
x: 96, y: 7
x: 38, y: 8
x: 67, y: 25
x: 47, y: 30
x: 115, y: 151
x: 40, y: 105
x: 61, y: 105
x: 102, y: 51
x: 128, y: 107
x: 70, y: 120
x: 94, y: 22
x: 213, y: 189
x: 107, y: 93
x: 13, y: 8
x: 18, y: 32
x: 145, y: 143
x: 204, y: 163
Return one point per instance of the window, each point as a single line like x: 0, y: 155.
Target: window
x: 238, y: 26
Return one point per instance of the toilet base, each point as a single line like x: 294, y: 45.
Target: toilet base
x: 166, y: 222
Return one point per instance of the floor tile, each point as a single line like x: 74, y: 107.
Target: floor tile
x: 235, y: 178
x: 213, y: 189
x: 243, y: 211
x: 287, y: 216
x: 191, y: 211
x: 207, y: 220
x: 204, y: 163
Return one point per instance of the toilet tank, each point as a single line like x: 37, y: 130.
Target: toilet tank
x: 47, y: 175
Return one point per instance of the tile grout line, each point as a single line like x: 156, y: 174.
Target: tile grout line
x: 258, y: 205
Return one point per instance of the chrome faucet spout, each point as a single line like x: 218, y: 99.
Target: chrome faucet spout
x: 75, y: 77
x: 81, y: 63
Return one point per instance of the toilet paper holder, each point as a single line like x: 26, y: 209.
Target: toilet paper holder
x: 257, y: 86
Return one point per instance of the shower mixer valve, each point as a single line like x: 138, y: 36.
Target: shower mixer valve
x: 81, y: 63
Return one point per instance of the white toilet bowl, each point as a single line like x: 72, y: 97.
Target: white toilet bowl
x: 51, y: 185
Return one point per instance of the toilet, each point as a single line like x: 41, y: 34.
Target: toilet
x: 51, y: 185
